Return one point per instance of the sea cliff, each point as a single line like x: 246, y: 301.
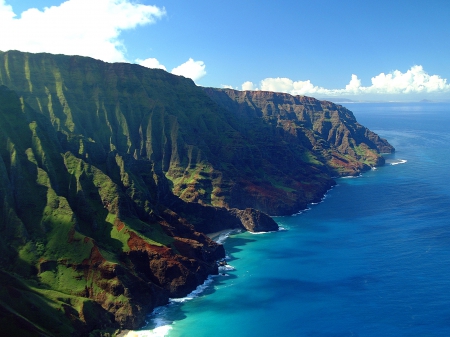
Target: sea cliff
x: 111, y: 174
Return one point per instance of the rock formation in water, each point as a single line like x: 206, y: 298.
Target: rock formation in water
x: 111, y: 174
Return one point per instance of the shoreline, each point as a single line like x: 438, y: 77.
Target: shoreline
x: 222, y: 235
x: 215, y: 235
x: 219, y: 237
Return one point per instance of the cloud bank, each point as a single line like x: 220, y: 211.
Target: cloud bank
x: 76, y: 27
x: 414, y: 81
x: 93, y: 28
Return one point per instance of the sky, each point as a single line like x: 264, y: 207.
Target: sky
x: 394, y: 50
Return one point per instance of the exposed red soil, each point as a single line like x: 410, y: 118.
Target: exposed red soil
x: 137, y: 243
x: 119, y: 225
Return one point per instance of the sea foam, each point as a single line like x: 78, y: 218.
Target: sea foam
x: 225, y: 235
x: 161, y: 326
x: 225, y: 268
x: 399, y: 161
x: 195, y: 293
x: 161, y: 329
x: 259, y: 233
x: 351, y: 177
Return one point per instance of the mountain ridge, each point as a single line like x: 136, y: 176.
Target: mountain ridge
x: 112, y: 173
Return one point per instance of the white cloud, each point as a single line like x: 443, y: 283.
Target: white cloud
x: 289, y: 86
x: 281, y: 84
x: 6, y: 12
x: 76, y: 27
x: 354, y: 85
x: 86, y: 28
x: 226, y: 86
x: 414, y: 81
x: 151, y: 63
x: 191, y: 69
x: 248, y: 86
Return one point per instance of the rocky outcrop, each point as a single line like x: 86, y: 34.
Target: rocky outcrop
x: 255, y: 221
x: 214, y: 219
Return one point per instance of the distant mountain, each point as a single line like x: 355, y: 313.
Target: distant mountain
x: 110, y: 174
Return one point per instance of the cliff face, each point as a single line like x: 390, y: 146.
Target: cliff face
x: 111, y: 173
x: 75, y: 243
x: 329, y: 133
x: 305, y: 139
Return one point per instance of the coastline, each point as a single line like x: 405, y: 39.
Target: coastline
x: 222, y: 235
x: 216, y: 235
x: 161, y: 329
x: 128, y: 277
x: 161, y: 326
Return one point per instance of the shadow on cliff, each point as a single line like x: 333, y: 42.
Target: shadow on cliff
x: 38, y: 314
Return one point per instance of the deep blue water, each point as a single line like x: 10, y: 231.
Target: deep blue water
x: 373, y: 259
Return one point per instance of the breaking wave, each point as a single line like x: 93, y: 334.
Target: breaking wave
x: 195, y: 293
x: 225, y: 268
x: 160, y: 325
x: 396, y: 162
x: 221, y: 238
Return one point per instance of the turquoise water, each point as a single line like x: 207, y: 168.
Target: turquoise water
x: 371, y: 260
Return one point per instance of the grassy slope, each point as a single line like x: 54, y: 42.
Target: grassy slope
x: 35, y: 220
x: 55, y: 206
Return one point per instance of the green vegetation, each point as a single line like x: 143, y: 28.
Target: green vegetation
x: 310, y: 158
x: 98, y: 162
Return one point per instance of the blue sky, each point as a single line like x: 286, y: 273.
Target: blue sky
x: 362, y: 50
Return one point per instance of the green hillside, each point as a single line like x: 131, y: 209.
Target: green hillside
x: 111, y: 174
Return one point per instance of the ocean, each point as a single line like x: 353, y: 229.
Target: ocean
x: 372, y: 259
